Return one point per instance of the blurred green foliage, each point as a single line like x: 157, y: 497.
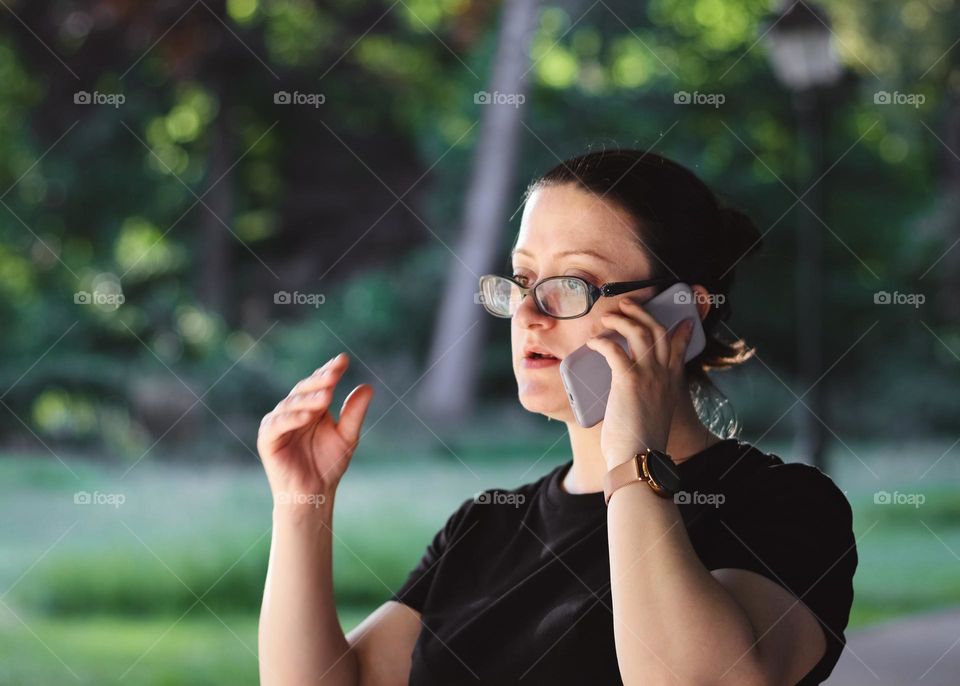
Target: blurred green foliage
x: 136, y: 192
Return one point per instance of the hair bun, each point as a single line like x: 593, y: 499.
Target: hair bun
x: 742, y: 234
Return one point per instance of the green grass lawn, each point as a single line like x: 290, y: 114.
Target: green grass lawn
x: 199, y: 649
x: 101, y: 589
x: 105, y: 650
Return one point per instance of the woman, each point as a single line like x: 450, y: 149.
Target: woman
x: 743, y: 577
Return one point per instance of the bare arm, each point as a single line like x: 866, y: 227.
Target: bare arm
x: 675, y: 621
x: 687, y: 628
x: 383, y: 643
x: 301, y: 641
x: 300, y: 638
x: 305, y: 453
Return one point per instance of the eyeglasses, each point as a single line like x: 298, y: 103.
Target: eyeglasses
x: 560, y: 297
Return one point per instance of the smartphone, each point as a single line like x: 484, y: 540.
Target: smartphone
x: 586, y: 374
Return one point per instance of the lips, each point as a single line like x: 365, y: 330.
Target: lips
x: 537, y: 352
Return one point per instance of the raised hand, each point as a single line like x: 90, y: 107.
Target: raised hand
x: 304, y: 450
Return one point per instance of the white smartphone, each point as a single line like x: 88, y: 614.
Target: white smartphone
x: 586, y: 374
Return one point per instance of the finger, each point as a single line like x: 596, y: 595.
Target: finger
x: 327, y: 375
x: 680, y: 337
x: 661, y: 341
x: 638, y: 336
x: 332, y: 369
x: 312, y: 405
x: 276, y: 425
x: 353, y: 412
x: 311, y: 401
x: 620, y: 363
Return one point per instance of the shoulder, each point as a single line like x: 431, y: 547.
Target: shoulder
x: 752, y: 478
x: 795, y: 489
x: 791, y: 521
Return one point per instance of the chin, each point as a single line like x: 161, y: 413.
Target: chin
x: 555, y: 408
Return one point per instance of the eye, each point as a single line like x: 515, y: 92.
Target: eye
x: 589, y: 278
x: 520, y: 278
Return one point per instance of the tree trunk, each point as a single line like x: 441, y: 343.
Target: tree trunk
x: 448, y: 391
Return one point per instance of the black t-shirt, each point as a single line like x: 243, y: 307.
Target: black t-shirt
x: 516, y: 585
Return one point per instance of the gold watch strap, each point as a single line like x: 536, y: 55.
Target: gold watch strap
x: 626, y: 473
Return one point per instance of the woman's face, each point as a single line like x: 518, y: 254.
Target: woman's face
x: 568, y: 231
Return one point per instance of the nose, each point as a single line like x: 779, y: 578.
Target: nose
x: 529, y: 316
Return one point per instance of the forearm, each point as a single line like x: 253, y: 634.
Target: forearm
x: 300, y: 639
x: 672, y: 618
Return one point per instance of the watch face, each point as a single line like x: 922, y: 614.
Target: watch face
x: 664, y: 471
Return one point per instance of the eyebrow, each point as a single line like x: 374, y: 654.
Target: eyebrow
x: 564, y: 253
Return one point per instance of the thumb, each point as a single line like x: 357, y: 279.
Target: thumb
x: 353, y: 411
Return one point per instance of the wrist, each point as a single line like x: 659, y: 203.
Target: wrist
x: 651, y: 466
x: 302, y: 506
x: 618, y: 458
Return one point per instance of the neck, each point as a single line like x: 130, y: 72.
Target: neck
x: 688, y: 436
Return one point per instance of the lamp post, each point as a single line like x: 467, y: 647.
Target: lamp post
x: 804, y: 59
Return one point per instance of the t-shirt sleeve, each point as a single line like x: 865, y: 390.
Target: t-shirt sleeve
x: 413, y: 592
x: 795, y: 527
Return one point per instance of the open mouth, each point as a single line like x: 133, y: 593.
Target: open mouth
x: 540, y: 356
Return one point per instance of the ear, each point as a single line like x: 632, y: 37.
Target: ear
x: 701, y: 297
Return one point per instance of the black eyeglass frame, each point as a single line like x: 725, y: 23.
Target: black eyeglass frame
x: 594, y: 293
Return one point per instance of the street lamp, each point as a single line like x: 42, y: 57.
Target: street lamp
x: 801, y: 48
x: 803, y: 57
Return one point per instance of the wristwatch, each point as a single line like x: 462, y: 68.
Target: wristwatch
x: 653, y: 466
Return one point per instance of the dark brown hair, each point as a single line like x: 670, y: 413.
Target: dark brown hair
x: 683, y: 230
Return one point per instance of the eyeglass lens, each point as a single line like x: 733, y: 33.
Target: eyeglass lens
x: 559, y: 297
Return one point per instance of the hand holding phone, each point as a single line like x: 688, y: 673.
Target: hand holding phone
x: 586, y: 374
